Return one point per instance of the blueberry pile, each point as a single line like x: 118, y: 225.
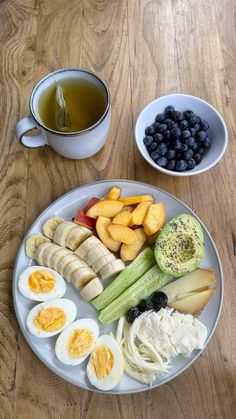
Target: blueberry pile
x: 159, y: 300
x: 177, y: 140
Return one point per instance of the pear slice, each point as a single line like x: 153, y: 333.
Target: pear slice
x: 195, y: 281
x: 194, y: 303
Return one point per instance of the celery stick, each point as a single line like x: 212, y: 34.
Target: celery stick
x: 142, y: 288
x: 144, y: 261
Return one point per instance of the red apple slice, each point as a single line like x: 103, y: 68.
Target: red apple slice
x: 84, y: 220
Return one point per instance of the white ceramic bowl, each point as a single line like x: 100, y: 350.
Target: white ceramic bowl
x: 182, y: 102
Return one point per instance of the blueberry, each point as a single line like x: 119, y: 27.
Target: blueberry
x: 162, y: 127
x: 155, y: 126
x: 171, y: 154
x: 169, y: 110
x: 201, y: 135
x: 162, y: 149
x: 204, y: 125
x: 193, y: 131
x: 198, y: 158
x: 183, y: 124
x: 177, y: 145
x: 197, y: 127
x: 153, y: 146
x: 178, y: 155
x: 160, y: 117
x: 191, y: 164
x: 190, y: 141
x: 184, y: 148
x: 172, y: 125
x: 155, y: 155
x: 145, y: 305
x: 148, y: 140
x: 192, y: 120
x: 162, y: 161
x: 178, y: 116
x: 171, y: 165
x: 149, y: 149
x: 160, y: 300
x: 181, y: 166
x: 198, y: 119
x: 186, y: 134
x: 175, y: 133
x: 167, y: 121
x: 188, y: 114
x: 158, y: 138
x: 207, y: 142
x: 167, y: 135
x: 201, y: 150
x: 132, y: 314
x: 150, y: 130
x: 187, y: 155
x: 195, y: 147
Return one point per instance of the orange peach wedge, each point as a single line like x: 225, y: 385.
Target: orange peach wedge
x: 114, y: 193
x: 154, y: 219
x: 122, y: 234
x: 106, y: 208
x: 130, y: 251
x: 131, y: 200
x: 122, y: 218
x: 139, y: 213
x: 104, y: 235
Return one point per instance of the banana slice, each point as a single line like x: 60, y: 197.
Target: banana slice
x: 33, y: 242
x: 50, y: 226
x: 112, y: 268
x: 96, y: 253
x: 48, y: 254
x: 64, y: 261
x: 82, y: 276
x: 87, y: 245
x: 76, y: 236
x: 57, y: 256
x: 40, y: 252
x: 99, y: 263
x: 72, y: 267
x: 62, y: 232
x: 92, y: 289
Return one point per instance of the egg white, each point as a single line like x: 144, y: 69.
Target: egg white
x: 62, y: 340
x: 66, y: 305
x: 23, y: 285
x: 115, y: 375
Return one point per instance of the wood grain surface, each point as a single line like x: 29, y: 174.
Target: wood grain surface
x: 142, y: 49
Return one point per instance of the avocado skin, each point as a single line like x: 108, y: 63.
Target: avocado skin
x: 182, y: 230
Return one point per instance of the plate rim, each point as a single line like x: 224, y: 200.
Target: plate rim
x: 46, y: 363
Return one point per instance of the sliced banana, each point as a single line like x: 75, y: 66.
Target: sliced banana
x: 62, y: 232
x: 96, y: 253
x: 57, y: 256
x: 87, y: 245
x: 47, y: 255
x: 64, y: 261
x: 92, y: 289
x: 81, y: 277
x: 99, y: 263
x: 76, y: 236
x: 40, y: 252
x: 32, y: 244
x: 72, y: 267
x: 50, y: 226
x: 112, y: 268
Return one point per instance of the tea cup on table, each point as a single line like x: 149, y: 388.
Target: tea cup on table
x: 88, y: 105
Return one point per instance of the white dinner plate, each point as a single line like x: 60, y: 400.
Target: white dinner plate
x: 66, y: 207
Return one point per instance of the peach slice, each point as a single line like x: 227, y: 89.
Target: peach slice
x: 114, y: 193
x: 155, y: 218
x: 139, y: 213
x: 90, y: 204
x: 106, y: 208
x: 130, y: 251
x: 84, y: 220
x: 122, y: 234
x: 104, y: 235
x: 131, y: 200
x: 122, y: 218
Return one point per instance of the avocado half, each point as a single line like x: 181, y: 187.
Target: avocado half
x: 179, y: 248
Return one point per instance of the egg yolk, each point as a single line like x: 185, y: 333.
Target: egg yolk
x: 80, y: 342
x: 50, y: 319
x: 42, y: 281
x: 102, y: 361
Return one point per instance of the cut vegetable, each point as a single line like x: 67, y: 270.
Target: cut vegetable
x: 131, y: 200
x: 150, y: 282
x: 130, y: 251
x: 122, y: 218
x: 114, y: 193
x: 121, y: 233
x: 155, y: 218
x: 106, y: 208
x: 104, y: 235
x: 144, y: 261
x: 139, y: 213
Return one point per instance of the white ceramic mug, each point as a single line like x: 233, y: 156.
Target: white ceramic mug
x: 74, y: 145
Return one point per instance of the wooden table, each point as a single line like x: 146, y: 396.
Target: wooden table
x: 142, y: 49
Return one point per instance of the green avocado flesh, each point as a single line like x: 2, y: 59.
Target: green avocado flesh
x: 179, y: 248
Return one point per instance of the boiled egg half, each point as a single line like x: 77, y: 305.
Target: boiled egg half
x: 51, y: 317
x: 105, y: 366
x: 41, y: 284
x: 77, y: 341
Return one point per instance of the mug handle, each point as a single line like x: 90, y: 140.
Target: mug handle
x: 25, y: 125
